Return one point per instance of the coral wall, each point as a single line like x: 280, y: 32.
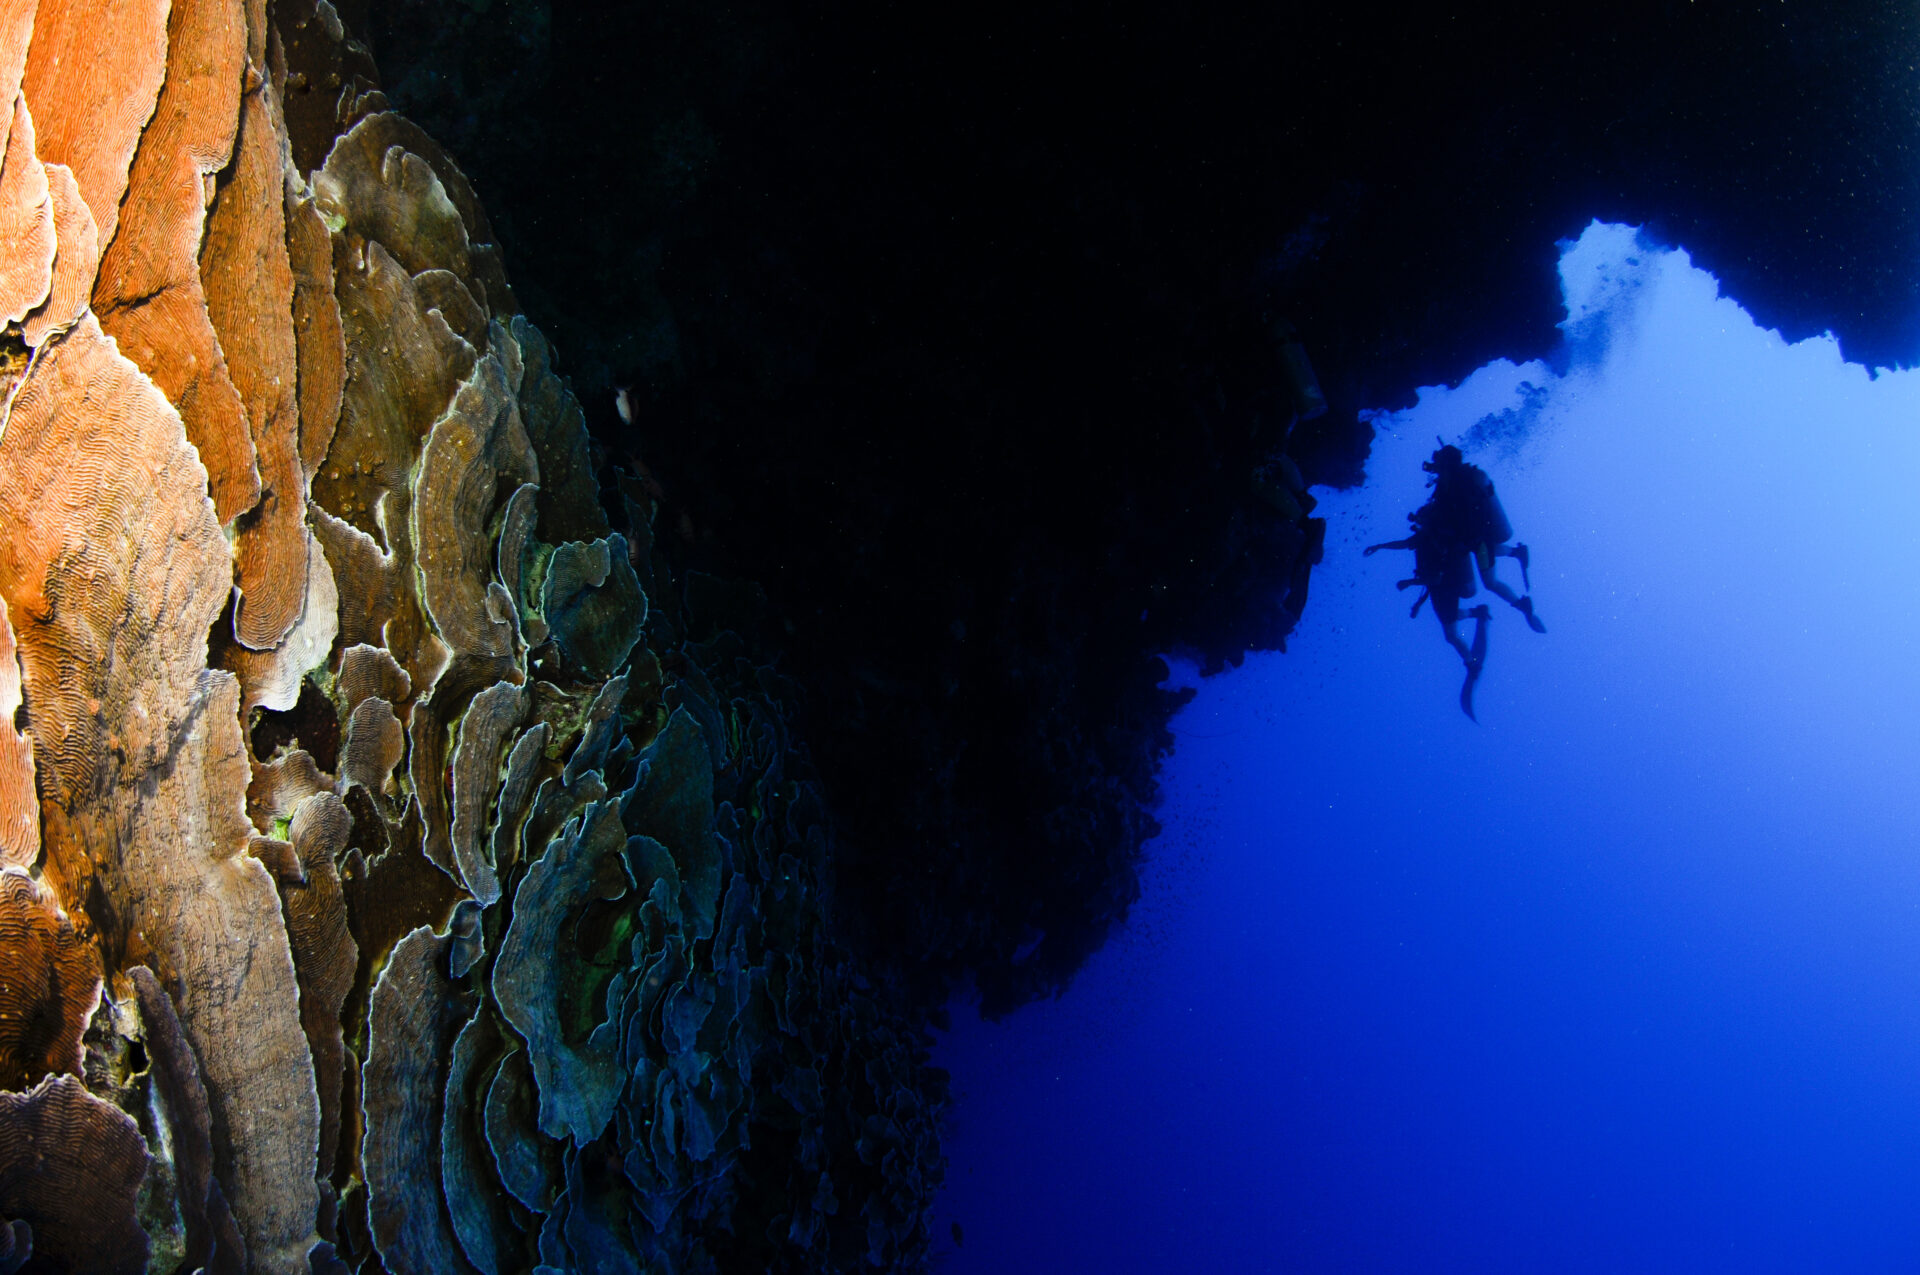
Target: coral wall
x: 399, y: 867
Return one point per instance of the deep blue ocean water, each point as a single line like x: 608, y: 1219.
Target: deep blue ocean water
x: 1625, y: 978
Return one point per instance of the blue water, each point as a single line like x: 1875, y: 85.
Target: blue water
x: 1624, y: 979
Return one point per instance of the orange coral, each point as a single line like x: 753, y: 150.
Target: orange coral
x: 19, y: 806
x: 26, y: 222
x: 248, y: 280
x: 94, y: 69
x: 76, y: 257
x: 149, y: 295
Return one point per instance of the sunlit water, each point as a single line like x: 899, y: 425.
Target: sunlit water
x: 1625, y: 978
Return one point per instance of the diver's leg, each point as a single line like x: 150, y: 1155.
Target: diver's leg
x: 1483, y: 556
x: 1519, y: 554
x: 1447, y: 611
x: 1476, y: 660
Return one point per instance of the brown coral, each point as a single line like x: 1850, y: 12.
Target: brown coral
x: 476, y: 445
x: 489, y: 720
x: 321, y: 349
x: 71, y: 1167
x: 317, y: 59
x: 272, y: 678
x: 415, y: 1016
x: 395, y: 184
x: 113, y: 572
x: 371, y: 671
x: 324, y: 953
x: 569, y: 499
x: 376, y: 188
x: 49, y: 984
x: 282, y: 784
x: 375, y: 744
x: 212, y: 1242
x: 428, y: 754
x: 403, y: 364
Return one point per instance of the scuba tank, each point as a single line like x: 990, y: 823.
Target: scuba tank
x: 1468, y: 509
x: 1488, y: 517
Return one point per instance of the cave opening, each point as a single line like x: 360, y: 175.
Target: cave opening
x: 1621, y: 977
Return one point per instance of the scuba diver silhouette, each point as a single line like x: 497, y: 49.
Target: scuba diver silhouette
x: 1459, y: 528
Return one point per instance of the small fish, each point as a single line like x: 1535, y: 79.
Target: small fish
x: 623, y: 404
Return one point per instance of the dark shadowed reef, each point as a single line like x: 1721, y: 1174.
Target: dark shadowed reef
x: 961, y: 332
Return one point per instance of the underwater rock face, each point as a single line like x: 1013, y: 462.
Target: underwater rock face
x: 389, y: 879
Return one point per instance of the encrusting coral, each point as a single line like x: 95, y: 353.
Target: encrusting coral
x: 397, y: 872
x: 49, y: 984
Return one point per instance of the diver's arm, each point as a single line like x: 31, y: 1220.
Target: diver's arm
x: 1370, y: 550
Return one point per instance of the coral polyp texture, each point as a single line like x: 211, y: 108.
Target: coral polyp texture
x: 400, y: 869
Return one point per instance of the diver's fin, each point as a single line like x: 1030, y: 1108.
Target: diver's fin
x: 1533, y: 621
x: 1521, y: 556
x: 1417, y: 604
